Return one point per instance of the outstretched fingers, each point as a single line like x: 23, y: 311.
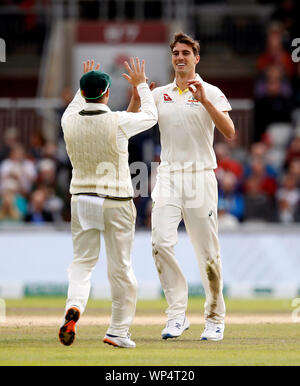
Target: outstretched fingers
x: 89, y: 66
x: 132, y: 64
x: 128, y: 68
x: 127, y: 77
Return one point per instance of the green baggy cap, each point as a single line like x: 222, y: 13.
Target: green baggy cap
x: 94, y: 84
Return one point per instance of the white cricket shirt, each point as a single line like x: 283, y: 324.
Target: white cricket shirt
x: 186, y: 128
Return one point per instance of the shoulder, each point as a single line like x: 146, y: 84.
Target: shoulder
x: 162, y: 89
x: 68, y: 118
x: 216, y: 96
x: 212, y: 90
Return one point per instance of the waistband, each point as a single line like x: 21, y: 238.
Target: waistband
x: 104, y: 196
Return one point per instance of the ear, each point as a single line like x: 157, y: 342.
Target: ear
x: 197, y: 59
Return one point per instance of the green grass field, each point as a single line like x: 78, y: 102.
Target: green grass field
x: 265, y: 344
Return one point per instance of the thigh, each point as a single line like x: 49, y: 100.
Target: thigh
x: 202, y: 222
x: 119, y: 233
x: 165, y: 222
x: 86, y: 244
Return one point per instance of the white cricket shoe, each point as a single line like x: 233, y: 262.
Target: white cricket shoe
x: 119, y: 341
x: 175, y: 328
x: 213, y: 331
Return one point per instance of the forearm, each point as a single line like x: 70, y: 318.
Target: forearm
x: 221, y: 120
x: 134, y: 105
x: 135, y: 122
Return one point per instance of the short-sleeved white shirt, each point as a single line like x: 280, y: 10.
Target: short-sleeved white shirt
x: 186, y: 128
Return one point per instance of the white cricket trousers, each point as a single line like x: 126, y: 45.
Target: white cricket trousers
x: 202, y: 229
x: 119, y: 221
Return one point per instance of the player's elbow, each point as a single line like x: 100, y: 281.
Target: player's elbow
x: 229, y: 131
x: 230, y: 134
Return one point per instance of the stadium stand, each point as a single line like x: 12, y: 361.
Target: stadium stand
x: 246, y: 55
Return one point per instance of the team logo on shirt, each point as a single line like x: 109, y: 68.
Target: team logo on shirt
x: 167, y: 98
x: 192, y: 102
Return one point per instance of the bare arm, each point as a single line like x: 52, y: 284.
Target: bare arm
x: 135, y: 101
x: 133, y: 122
x: 221, y: 119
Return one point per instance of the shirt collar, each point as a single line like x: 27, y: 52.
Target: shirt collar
x: 96, y: 106
x: 174, y: 85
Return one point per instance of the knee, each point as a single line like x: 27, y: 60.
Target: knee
x: 123, y: 277
x: 160, y: 244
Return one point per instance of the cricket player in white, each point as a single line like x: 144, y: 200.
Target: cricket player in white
x: 186, y: 187
x: 97, y: 144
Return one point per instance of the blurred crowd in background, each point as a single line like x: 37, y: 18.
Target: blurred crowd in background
x: 259, y: 183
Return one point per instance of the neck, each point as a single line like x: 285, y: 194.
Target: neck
x: 182, y: 79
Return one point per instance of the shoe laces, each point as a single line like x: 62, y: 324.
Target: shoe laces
x: 209, y: 326
x: 177, y: 323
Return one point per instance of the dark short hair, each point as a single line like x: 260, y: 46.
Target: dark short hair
x: 181, y: 37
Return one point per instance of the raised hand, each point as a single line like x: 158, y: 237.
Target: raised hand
x: 136, y: 72
x: 89, y: 66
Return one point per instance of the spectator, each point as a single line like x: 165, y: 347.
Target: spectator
x: 266, y: 182
x: 258, y: 206
x: 46, y: 180
x: 288, y: 198
x: 54, y: 205
x: 237, y: 152
x: 271, y: 108
x: 18, y: 166
x: 11, y: 138
x: 226, y: 162
x: 230, y: 200
x: 46, y: 172
x: 226, y: 220
x: 37, y: 212
x: 293, y: 151
x: 37, y: 141
x: 259, y: 150
x: 12, y: 204
x: 286, y: 14
x: 62, y: 166
x: 273, y: 73
x: 294, y: 168
x: 275, y: 52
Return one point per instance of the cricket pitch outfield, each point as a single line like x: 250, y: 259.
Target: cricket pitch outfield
x: 258, y: 332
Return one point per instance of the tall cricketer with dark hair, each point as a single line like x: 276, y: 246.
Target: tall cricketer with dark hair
x: 186, y: 188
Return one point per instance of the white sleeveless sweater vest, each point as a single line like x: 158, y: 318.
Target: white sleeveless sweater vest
x: 98, y: 165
